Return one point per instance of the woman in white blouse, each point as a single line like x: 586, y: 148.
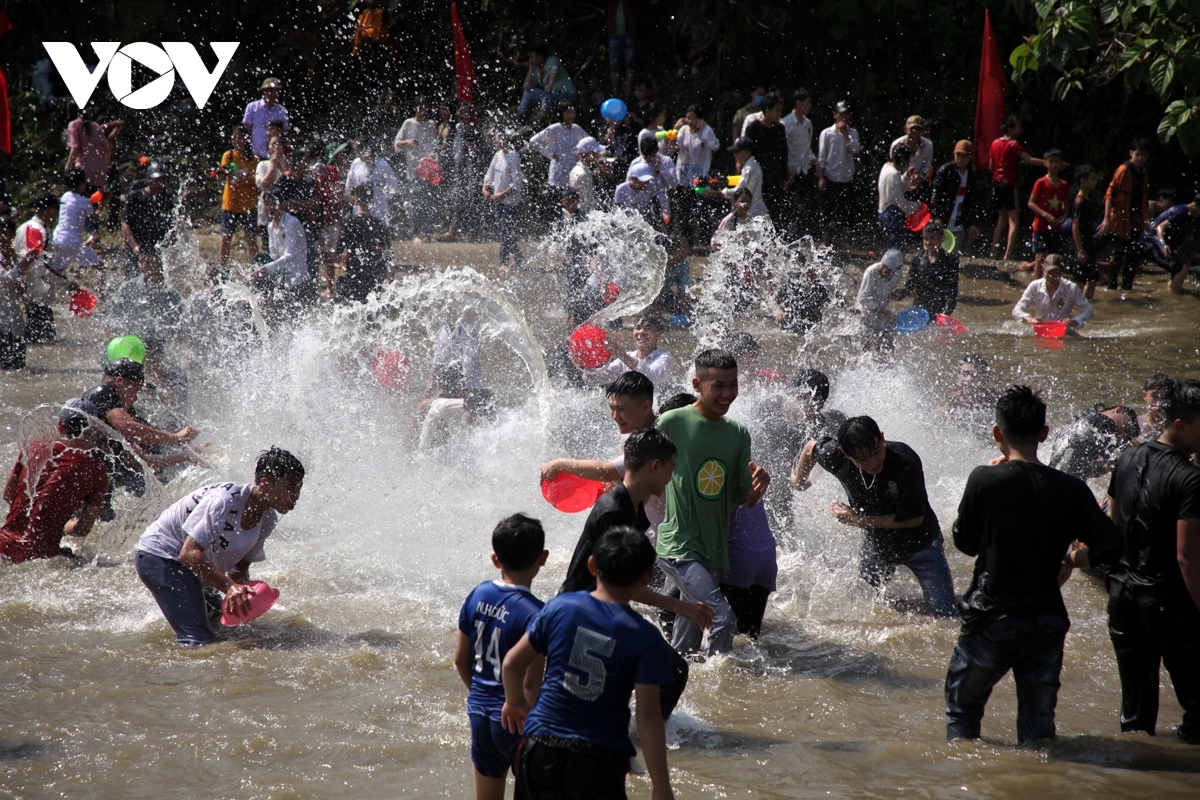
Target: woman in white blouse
x: 696, y: 143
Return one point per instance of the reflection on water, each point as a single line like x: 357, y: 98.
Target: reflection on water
x: 346, y: 688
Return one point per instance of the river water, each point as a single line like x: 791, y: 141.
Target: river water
x: 346, y: 689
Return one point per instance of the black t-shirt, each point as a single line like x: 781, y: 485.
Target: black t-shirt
x: 365, y: 241
x: 933, y: 284
x: 1153, y: 487
x: 613, y: 509
x: 149, y: 216
x: 770, y: 150
x: 1087, y: 447
x: 1085, y: 216
x: 778, y: 441
x: 899, y: 490
x: 1018, y: 519
x: 105, y: 398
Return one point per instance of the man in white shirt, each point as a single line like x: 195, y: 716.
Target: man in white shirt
x: 557, y: 143
x: 751, y: 176
x: 204, y: 544
x: 502, y: 185
x: 1053, y: 298
x: 875, y: 294
x: 646, y: 358
x: 582, y: 178
x: 367, y: 168
x: 261, y: 112
x: 285, y: 280
x: 837, y: 146
x: 417, y: 139
x: 661, y: 166
x: 802, y: 161
x: 922, y: 148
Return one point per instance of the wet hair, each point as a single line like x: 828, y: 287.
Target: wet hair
x: 74, y: 177
x: 681, y: 400
x: 569, y: 193
x: 653, y: 109
x: 901, y: 154
x: 933, y: 227
x: 715, y: 359
x: 449, y: 379
x: 1182, y: 401
x: 770, y: 100
x: 125, y: 368
x: 74, y: 417
x: 1084, y: 171
x: 43, y: 201
x: 480, y: 403
x: 648, y: 146
x: 743, y: 345
x: 858, y: 435
x: 277, y: 464
x: 632, y: 384
x: 1131, y: 417
x: 979, y: 362
x: 1021, y: 415
x: 517, y: 542
x: 1009, y: 123
x: 1158, y: 383
x: 651, y: 320
x: 645, y: 446
x: 1053, y: 152
x: 561, y: 107
x: 1140, y: 143
x: 697, y: 109
x: 420, y: 100
x: 815, y: 382
x: 623, y: 556
x: 800, y: 95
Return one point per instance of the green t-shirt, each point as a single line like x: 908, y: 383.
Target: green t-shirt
x: 712, y: 472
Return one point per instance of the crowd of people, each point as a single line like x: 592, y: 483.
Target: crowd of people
x: 689, y: 523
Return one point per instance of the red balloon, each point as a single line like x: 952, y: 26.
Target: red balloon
x: 588, y: 347
x: 83, y: 303
x: 917, y: 220
x: 611, y: 293
x: 571, y: 493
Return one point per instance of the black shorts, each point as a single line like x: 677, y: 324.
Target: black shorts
x: 569, y: 769
x: 838, y: 204
x: 1082, y: 273
x: 1005, y: 197
x: 1048, y: 242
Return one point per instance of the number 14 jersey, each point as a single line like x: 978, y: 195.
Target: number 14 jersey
x: 495, y: 616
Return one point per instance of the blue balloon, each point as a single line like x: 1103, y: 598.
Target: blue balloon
x: 613, y: 109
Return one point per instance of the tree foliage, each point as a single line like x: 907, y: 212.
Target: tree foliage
x: 1148, y: 45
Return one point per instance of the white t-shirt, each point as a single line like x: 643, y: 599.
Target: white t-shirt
x: 73, y: 211
x: 505, y: 171
x: 799, y: 141
x: 383, y: 184
x: 657, y: 366
x: 922, y: 157
x: 559, y: 141
x: 212, y: 516
x: 695, y: 153
x: 581, y: 180
x: 426, y: 135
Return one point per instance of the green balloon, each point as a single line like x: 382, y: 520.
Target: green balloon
x: 131, y: 347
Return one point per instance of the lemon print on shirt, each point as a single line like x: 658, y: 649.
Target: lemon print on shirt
x: 710, y: 479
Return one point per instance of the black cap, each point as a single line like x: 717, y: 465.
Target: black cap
x: 742, y: 143
x: 125, y: 368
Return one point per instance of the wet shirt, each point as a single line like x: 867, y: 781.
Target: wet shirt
x: 494, y: 616
x: 712, y: 472
x: 212, y: 517
x: 149, y: 216
x: 1179, y: 229
x: 365, y: 242
x: 105, y: 398
x: 1018, y: 519
x: 1085, y: 217
x: 613, y: 509
x: 898, y: 490
x: 1088, y: 447
x: 933, y: 285
x: 595, y: 654
x: 1006, y: 160
x: 780, y: 442
x: 68, y: 481
x: 1153, y: 487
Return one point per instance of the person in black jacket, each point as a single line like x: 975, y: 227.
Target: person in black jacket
x: 1018, y: 517
x: 956, y: 202
x: 1154, y: 590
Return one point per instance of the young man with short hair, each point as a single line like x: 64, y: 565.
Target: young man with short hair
x: 836, y: 148
x: 1154, y: 589
x: 493, y: 619
x: 713, y: 473
x: 1127, y: 213
x: 647, y: 359
x: 885, y: 484
x: 770, y: 147
x: 1018, y: 517
x: 209, y: 539
x: 598, y: 653
x: 1085, y: 217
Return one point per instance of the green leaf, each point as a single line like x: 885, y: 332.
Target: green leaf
x: 1188, y: 136
x: 1044, y: 8
x: 1162, y: 75
x: 1109, y: 11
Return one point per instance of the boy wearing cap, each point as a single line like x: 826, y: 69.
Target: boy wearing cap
x: 955, y: 202
x: 69, y: 493
x: 1053, y: 297
x: 880, y: 282
x: 639, y: 191
x: 922, y: 151
x: 751, y: 176
x: 260, y: 112
x: 836, y: 148
x: 582, y: 178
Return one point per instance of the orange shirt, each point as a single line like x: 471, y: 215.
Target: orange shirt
x: 240, y: 195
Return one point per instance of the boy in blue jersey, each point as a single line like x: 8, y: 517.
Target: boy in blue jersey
x: 493, y: 618
x: 598, y: 652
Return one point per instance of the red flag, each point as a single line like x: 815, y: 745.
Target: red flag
x: 990, y: 109
x: 464, y: 68
x: 5, y: 120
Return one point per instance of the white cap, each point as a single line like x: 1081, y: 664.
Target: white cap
x: 893, y: 259
x: 643, y: 172
x: 588, y: 144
